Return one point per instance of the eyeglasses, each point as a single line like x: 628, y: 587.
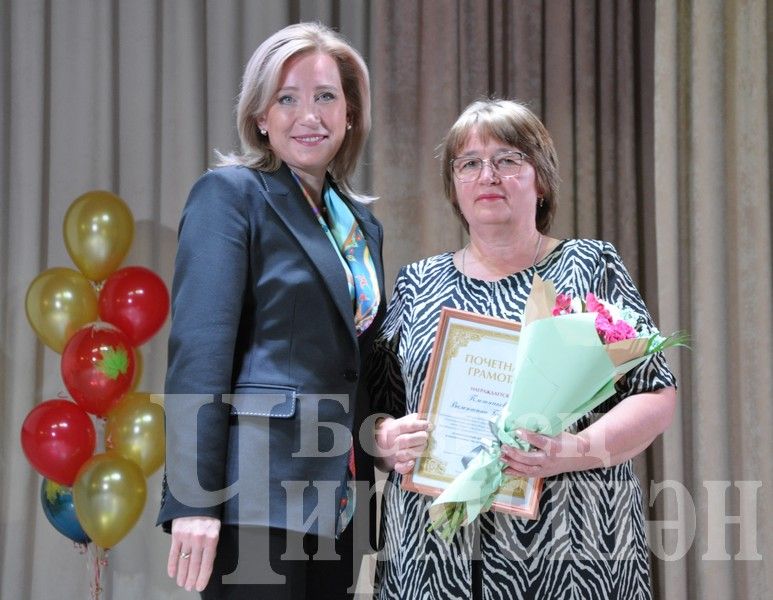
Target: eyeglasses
x: 506, y: 164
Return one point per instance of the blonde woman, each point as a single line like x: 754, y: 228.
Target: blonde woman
x: 278, y: 292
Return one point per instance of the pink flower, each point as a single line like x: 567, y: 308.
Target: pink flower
x: 608, y: 329
x: 603, y: 326
x: 563, y: 305
x: 593, y: 304
x: 613, y: 332
x: 623, y: 331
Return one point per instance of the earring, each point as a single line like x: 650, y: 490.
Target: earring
x: 541, y: 201
x: 348, y: 126
x: 262, y: 131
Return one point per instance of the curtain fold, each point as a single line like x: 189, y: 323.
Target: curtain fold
x: 713, y: 195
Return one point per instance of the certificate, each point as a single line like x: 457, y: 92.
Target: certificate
x: 468, y: 383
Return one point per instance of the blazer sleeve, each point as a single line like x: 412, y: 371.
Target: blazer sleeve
x: 211, y: 272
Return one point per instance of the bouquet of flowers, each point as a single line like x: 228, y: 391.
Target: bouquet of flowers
x: 571, y: 353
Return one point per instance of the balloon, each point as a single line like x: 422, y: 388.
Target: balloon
x: 109, y: 494
x: 98, y: 367
x: 60, y: 511
x: 57, y: 437
x: 135, y: 430
x: 59, y: 302
x: 98, y: 230
x: 135, y: 300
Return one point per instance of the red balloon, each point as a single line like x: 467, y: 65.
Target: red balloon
x: 98, y: 367
x: 135, y: 300
x: 57, y: 438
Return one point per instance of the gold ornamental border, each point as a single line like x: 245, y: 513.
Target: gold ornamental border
x: 456, y: 330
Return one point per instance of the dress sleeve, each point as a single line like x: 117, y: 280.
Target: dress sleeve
x: 615, y: 285
x: 385, y: 379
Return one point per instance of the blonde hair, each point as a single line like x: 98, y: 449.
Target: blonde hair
x: 260, y: 82
x: 512, y: 123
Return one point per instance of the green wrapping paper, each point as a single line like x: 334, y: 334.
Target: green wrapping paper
x: 562, y: 372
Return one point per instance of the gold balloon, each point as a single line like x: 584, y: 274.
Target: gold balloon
x: 98, y: 231
x: 59, y: 302
x: 135, y: 430
x: 109, y: 495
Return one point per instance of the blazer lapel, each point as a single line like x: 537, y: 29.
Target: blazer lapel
x: 284, y: 196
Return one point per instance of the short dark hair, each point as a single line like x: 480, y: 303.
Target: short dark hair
x: 512, y: 123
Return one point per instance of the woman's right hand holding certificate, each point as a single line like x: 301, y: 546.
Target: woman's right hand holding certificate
x: 400, y: 441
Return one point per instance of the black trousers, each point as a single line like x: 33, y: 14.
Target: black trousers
x: 251, y: 560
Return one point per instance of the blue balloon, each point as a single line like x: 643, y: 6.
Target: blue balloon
x: 60, y: 511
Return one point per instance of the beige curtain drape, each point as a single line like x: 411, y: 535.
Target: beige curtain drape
x: 713, y: 231
x: 660, y: 114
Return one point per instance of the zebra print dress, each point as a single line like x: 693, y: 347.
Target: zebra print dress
x: 589, y: 540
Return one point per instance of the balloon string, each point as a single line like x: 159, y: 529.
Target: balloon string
x: 98, y: 562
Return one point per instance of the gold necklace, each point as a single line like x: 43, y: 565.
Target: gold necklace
x: 533, y: 262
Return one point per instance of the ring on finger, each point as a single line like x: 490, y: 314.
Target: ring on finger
x: 185, y: 555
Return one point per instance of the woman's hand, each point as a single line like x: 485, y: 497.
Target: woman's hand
x: 619, y: 435
x: 548, y: 455
x: 194, y: 542
x: 401, y: 441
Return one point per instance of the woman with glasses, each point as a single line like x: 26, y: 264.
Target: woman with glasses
x: 500, y: 173
x: 277, y: 296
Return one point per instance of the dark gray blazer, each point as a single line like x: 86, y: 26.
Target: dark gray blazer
x: 263, y: 383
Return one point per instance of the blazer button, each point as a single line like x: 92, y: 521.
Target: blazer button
x: 350, y: 375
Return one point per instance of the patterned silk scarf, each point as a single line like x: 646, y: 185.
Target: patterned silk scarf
x: 346, y: 237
